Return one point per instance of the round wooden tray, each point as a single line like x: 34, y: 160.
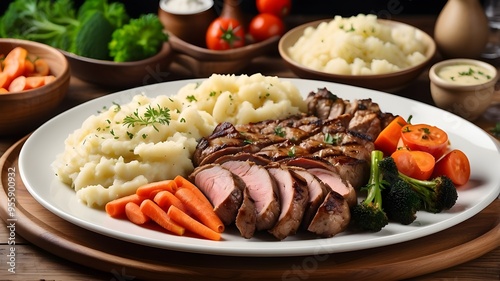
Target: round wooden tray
x: 461, y: 243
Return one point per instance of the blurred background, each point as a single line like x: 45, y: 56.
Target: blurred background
x: 382, y: 8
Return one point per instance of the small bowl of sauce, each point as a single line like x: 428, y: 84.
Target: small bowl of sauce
x: 463, y: 86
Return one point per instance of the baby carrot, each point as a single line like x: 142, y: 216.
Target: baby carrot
x: 191, y: 224
x: 116, y: 208
x: 199, y: 209
x: 134, y: 213
x: 151, y: 189
x: 41, y: 67
x: 182, y: 182
x: 165, y: 199
x: 157, y: 214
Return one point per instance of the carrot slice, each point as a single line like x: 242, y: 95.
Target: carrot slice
x: 415, y: 164
x: 18, y: 84
x: 116, y: 208
x: 199, y: 209
x: 41, y: 67
x: 29, y: 67
x: 165, y: 199
x: 4, y: 80
x: 134, y: 213
x: 157, y: 214
x: 3, y: 91
x: 191, y: 224
x: 151, y: 189
x: 14, y: 62
x: 388, y: 138
x: 34, y: 82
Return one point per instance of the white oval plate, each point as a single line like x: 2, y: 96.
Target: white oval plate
x: 45, y: 143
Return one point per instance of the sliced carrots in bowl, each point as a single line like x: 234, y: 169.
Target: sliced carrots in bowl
x: 21, y: 71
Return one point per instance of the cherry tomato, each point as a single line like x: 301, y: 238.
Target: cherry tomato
x: 415, y: 164
x: 454, y: 165
x: 278, y: 8
x: 426, y: 138
x: 224, y: 34
x: 264, y: 26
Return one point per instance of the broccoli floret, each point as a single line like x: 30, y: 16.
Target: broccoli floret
x: 139, y: 39
x: 436, y: 194
x: 368, y: 214
x: 400, y: 202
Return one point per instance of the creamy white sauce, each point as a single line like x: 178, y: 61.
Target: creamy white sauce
x: 185, y: 6
x: 465, y: 74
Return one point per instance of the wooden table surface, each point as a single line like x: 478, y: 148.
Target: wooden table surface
x: 34, y: 263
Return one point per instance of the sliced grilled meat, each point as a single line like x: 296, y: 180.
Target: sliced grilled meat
x: 332, y: 217
x: 244, y: 156
x: 222, y: 188
x: 294, y: 195
x: 336, y: 183
x: 246, y: 219
x: 317, y: 192
x: 261, y: 188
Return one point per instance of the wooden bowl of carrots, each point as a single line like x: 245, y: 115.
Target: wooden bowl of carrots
x: 34, y: 79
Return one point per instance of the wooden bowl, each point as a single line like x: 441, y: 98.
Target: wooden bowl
x: 122, y: 75
x: 22, y: 112
x: 203, y: 62
x: 389, y: 82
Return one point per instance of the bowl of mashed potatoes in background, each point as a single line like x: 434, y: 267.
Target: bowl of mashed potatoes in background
x: 360, y: 50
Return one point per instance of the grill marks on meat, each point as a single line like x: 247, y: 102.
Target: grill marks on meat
x: 298, y: 172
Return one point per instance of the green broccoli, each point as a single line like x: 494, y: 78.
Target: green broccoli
x: 114, y: 12
x: 368, y: 214
x: 139, y: 39
x: 400, y: 202
x: 436, y: 195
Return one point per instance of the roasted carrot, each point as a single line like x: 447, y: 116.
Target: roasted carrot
x: 49, y: 79
x: 3, y: 91
x: 182, y: 182
x: 191, y: 224
x: 134, y: 213
x: 41, y: 67
x: 165, y: 199
x: 18, y: 84
x: 14, y: 62
x: 4, y: 80
x: 116, y: 208
x: 387, y: 140
x: 29, y: 67
x: 151, y: 189
x: 157, y: 214
x: 34, y: 82
x: 199, y: 209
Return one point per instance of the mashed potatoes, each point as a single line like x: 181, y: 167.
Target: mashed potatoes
x: 358, y: 45
x: 109, y: 157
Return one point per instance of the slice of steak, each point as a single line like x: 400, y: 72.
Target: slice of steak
x: 222, y: 188
x: 294, y: 195
x: 261, y: 188
x: 281, y: 151
x: 332, y: 216
x: 366, y: 122
x: 246, y: 218
x: 336, y: 183
x: 317, y: 192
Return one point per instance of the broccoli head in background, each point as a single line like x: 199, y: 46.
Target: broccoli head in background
x: 139, y: 39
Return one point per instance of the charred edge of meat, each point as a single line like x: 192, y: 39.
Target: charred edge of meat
x: 332, y: 217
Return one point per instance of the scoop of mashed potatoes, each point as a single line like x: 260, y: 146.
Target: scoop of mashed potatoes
x: 358, y: 45
x: 122, y: 148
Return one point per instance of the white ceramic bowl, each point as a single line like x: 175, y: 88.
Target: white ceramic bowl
x: 466, y: 100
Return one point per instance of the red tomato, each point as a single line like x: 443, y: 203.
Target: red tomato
x: 426, y: 138
x: 454, y: 165
x: 224, y: 34
x: 278, y: 8
x: 415, y: 164
x: 264, y: 26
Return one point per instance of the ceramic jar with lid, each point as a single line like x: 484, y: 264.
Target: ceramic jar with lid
x: 461, y: 29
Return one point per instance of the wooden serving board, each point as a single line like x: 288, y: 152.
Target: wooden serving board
x: 461, y: 243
